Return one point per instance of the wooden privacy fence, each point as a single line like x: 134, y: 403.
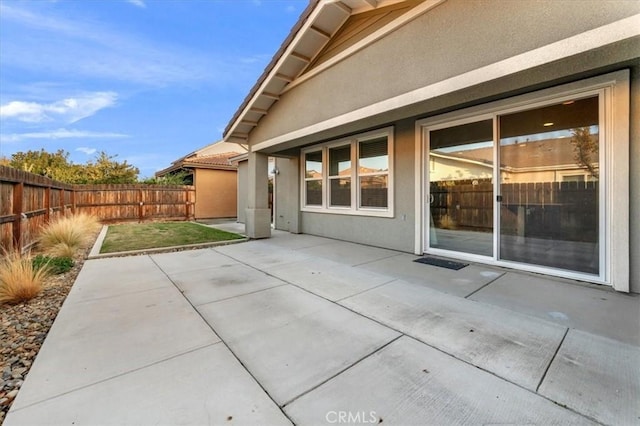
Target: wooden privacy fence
x: 556, y: 210
x: 29, y: 201
x: 139, y: 202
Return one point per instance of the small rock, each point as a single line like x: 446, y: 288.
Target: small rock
x: 12, y: 394
x: 17, y: 373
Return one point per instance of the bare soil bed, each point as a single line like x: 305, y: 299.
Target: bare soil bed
x: 23, y: 328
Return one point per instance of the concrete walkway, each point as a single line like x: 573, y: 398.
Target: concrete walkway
x: 307, y: 330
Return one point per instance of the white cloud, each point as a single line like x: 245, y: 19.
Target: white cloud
x: 86, y: 150
x: 138, y: 3
x: 69, y: 110
x: 60, y: 134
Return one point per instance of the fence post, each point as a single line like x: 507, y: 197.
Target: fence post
x: 186, y: 203
x: 18, y: 191
x: 62, y: 209
x: 73, y: 199
x: 47, y: 204
x: 140, y: 204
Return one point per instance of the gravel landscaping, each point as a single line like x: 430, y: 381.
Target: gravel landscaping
x: 24, y: 327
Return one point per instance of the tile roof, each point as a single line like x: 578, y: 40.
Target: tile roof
x: 212, y: 160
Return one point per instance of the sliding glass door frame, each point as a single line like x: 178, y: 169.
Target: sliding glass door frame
x: 427, y: 197
x: 427, y: 126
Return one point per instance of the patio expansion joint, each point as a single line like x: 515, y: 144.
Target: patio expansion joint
x: 199, y: 305
x: 376, y: 260
x: 546, y: 370
x: 328, y: 379
x: 391, y: 280
x: 115, y: 376
x: 485, y: 285
x: 222, y: 341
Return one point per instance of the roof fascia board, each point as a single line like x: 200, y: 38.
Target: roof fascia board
x: 275, y: 70
x: 617, y: 31
x: 370, y: 5
x: 370, y: 39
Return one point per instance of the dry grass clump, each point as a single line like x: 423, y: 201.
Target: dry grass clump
x: 63, y: 237
x: 20, y: 280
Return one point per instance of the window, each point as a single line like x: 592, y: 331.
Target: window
x: 340, y: 176
x: 373, y: 171
x: 350, y: 176
x: 313, y: 178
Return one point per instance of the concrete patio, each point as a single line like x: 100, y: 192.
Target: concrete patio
x: 307, y: 330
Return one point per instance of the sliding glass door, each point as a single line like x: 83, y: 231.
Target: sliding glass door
x: 549, y: 186
x: 520, y: 186
x: 461, y: 188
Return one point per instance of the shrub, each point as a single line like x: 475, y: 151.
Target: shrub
x: 64, y: 236
x: 56, y: 265
x: 20, y: 280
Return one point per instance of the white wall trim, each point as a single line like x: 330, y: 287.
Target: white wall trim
x: 418, y: 190
x: 618, y: 182
x: 614, y: 32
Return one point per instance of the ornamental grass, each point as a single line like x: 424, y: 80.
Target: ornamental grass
x: 63, y: 237
x: 20, y: 279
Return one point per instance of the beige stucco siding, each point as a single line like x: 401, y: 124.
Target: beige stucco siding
x: 456, y: 37
x: 451, y: 39
x: 399, y: 234
x: 287, y: 194
x: 216, y: 192
x: 242, y: 181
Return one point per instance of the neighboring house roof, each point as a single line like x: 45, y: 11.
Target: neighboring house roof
x: 220, y: 161
x: 522, y: 156
x: 314, y: 44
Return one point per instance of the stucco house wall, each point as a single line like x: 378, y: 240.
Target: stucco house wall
x: 241, y: 199
x: 436, y: 53
x: 453, y: 38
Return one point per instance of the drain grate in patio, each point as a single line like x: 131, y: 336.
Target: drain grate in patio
x: 449, y: 264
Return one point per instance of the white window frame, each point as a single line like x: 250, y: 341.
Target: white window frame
x: 355, y: 208
x: 329, y: 147
x: 613, y: 91
x: 305, y: 179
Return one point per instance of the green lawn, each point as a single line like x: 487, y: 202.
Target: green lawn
x: 140, y: 236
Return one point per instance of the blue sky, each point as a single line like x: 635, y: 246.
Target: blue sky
x: 146, y: 80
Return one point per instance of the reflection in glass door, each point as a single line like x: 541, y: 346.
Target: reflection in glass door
x: 461, y: 188
x: 549, y: 186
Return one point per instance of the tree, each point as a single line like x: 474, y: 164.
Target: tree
x: 181, y: 177
x: 104, y: 169
x: 585, y: 149
x: 52, y: 165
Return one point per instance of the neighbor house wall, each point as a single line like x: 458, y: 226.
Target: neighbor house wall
x: 216, y: 192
